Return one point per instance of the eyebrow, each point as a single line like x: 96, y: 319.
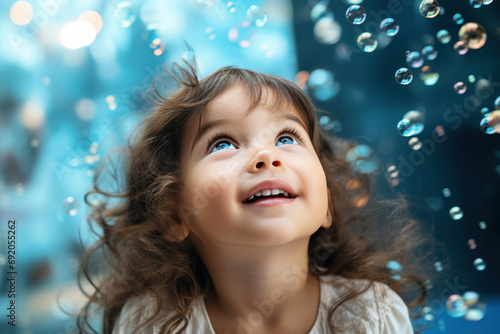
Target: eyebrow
x: 212, y: 124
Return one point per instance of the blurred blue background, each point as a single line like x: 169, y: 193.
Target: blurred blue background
x: 72, y: 79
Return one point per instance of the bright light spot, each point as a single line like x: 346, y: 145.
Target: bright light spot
x: 75, y: 35
x: 85, y: 109
x: 21, y: 13
x: 93, y: 18
x: 32, y: 115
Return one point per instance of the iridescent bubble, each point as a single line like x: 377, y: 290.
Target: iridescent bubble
x: 415, y: 144
x: 471, y: 78
x: 443, y: 36
x: 362, y: 159
x: 429, y: 52
x: 407, y: 129
x: 327, y: 30
x: 456, y: 213
x: 497, y: 103
x: 367, y: 42
x: 71, y: 206
x: 403, y: 76
x: 460, y: 87
x: 257, y: 16
x: 475, y: 3
x: 428, y: 76
x: 124, y: 14
x: 389, y: 26
x: 482, y: 225
x: 414, y: 59
x: 395, y: 268
x: 446, y: 192
x: 476, y: 307
x: 455, y: 306
x: 473, y: 34
x: 438, y: 265
x: 458, y: 18
x: 479, y: 264
x: 319, y: 11
x: 461, y: 47
x: 355, y: 14
x: 322, y: 85
x: 490, y: 124
x: 429, y: 8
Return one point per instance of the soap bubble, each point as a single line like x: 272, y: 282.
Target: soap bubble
x: 403, y: 76
x: 456, y: 213
x: 415, y: 144
x: 367, y: 42
x: 355, y: 14
x: 490, y: 124
x: 326, y: 123
x: 460, y: 87
x: 485, y: 111
x: 438, y: 265
x: 429, y: 8
x: 497, y: 103
x: 482, y: 225
x: 428, y: 76
x: 479, y: 264
x: 257, y: 16
x: 473, y: 34
x: 413, y: 125
x: 476, y: 307
x: 458, y: 18
x: 71, y: 206
x: 242, y: 34
x: 439, y: 131
x: 429, y: 52
x: 327, y: 30
x: 471, y: 78
x: 322, y: 84
x: 389, y: 26
x: 124, y: 14
x: 209, y: 31
x: 472, y: 244
x: 362, y: 159
x: 319, y: 11
x: 461, y: 47
x: 414, y: 59
x: 446, y: 192
x: 395, y: 268
x: 455, y: 306
x: 487, y: 2
x: 443, y: 36
x: 476, y: 3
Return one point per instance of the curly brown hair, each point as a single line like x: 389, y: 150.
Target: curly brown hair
x: 143, y: 255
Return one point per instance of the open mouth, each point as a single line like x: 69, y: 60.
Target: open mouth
x: 259, y: 197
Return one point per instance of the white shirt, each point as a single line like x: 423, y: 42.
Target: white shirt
x: 379, y: 310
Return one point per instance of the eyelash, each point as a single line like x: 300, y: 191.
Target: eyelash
x: 225, y: 135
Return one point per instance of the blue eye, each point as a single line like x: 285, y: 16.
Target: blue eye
x: 222, y: 145
x: 285, y: 140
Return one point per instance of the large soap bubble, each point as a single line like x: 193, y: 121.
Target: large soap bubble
x: 355, y: 14
x: 412, y: 124
x: 403, y: 76
x: 473, y: 35
x: 367, y: 42
x: 429, y: 8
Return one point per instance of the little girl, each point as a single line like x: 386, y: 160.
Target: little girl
x: 241, y: 216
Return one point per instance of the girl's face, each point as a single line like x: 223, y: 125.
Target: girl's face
x: 227, y: 158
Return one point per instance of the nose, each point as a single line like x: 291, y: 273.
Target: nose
x: 264, y: 158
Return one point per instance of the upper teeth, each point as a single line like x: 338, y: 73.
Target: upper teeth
x: 269, y: 192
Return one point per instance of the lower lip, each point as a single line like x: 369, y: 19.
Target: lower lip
x: 272, y: 201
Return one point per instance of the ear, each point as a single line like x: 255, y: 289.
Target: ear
x: 327, y: 222
x: 177, y: 232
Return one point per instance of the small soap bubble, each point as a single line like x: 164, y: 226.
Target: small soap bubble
x: 460, y: 87
x: 367, y: 42
x: 389, y: 26
x: 482, y: 225
x: 209, y: 31
x: 241, y: 34
x: 471, y: 78
x: 326, y: 123
x: 393, y: 172
x: 327, y: 30
x: 319, y: 11
x: 455, y: 306
x: 124, y: 14
x: 473, y: 34
x: 322, y: 84
x: 472, y: 244
x: 415, y: 144
x: 485, y: 111
x: 71, y: 206
x: 456, y: 213
x: 429, y: 52
x: 476, y: 3
x: 414, y: 124
x: 414, y: 59
x: 395, y: 268
x: 443, y: 36
x: 479, y: 264
x: 461, y: 47
x: 439, y: 131
x: 429, y: 8
x: 403, y: 76
x: 490, y: 124
x: 438, y: 265
x: 446, y: 192
x: 458, y: 18
x: 355, y: 14
x: 428, y: 76
x: 497, y: 103
x: 257, y: 16
x: 362, y: 159
x: 475, y: 308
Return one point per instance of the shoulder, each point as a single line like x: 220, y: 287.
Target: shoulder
x: 378, y: 310
x: 134, y: 313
